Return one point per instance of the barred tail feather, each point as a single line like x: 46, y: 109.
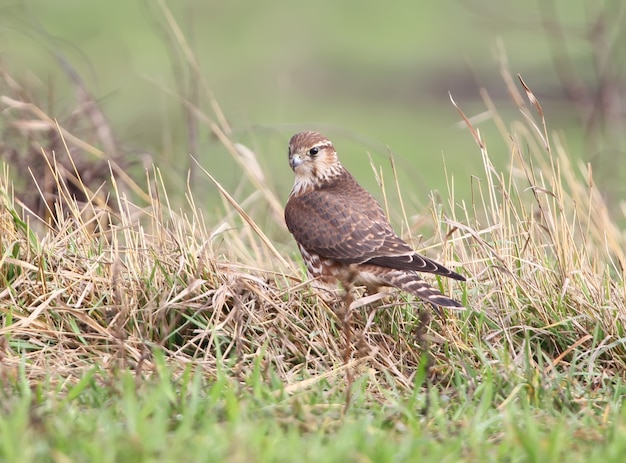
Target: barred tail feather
x: 411, y: 283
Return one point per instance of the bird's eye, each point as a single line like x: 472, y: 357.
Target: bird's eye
x: 314, y: 151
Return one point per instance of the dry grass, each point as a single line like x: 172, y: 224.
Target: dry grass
x: 544, y: 260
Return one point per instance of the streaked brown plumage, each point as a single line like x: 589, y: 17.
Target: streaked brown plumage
x: 343, y: 233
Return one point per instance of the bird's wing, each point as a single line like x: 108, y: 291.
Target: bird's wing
x: 345, y: 223
x: 335, y: 227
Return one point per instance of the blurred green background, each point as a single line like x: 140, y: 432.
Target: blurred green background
x: 371, y: 75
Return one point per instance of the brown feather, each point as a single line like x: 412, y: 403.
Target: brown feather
x: 339, y: 224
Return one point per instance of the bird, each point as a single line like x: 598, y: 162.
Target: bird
x: 343, y: 233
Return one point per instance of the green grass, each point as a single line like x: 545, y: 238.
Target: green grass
x: 142, y: 322
x: 150, y: 334
x: 188, y: 416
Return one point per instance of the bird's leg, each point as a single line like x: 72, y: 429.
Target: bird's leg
x: 422, y: 341
x: 362, y: 346
x: 388, y: 291
x: 346, y: 316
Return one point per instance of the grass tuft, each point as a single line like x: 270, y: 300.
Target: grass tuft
x: 161, y: 299
x: 543, y: 257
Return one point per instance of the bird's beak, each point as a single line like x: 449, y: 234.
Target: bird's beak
x: 295, y: 161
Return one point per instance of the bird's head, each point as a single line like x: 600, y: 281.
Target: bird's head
x: 313, y: 159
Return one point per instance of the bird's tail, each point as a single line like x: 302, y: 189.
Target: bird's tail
x: 410, y: 282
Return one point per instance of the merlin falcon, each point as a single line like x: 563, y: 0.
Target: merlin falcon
x: 343, y: 233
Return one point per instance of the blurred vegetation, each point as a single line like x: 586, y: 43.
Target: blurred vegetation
x: 134, y: 333
x: 372, y: 77
x: 154, y: 316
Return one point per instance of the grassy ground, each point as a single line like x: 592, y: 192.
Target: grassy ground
x: 132, y: 331
x: 191, y: 417
x: 141, y: 322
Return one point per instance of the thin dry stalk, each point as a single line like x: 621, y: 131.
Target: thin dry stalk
x: 544, y: 260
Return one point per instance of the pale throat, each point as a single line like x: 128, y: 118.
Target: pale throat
x: 309, y: 177
x: 303, y: 183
